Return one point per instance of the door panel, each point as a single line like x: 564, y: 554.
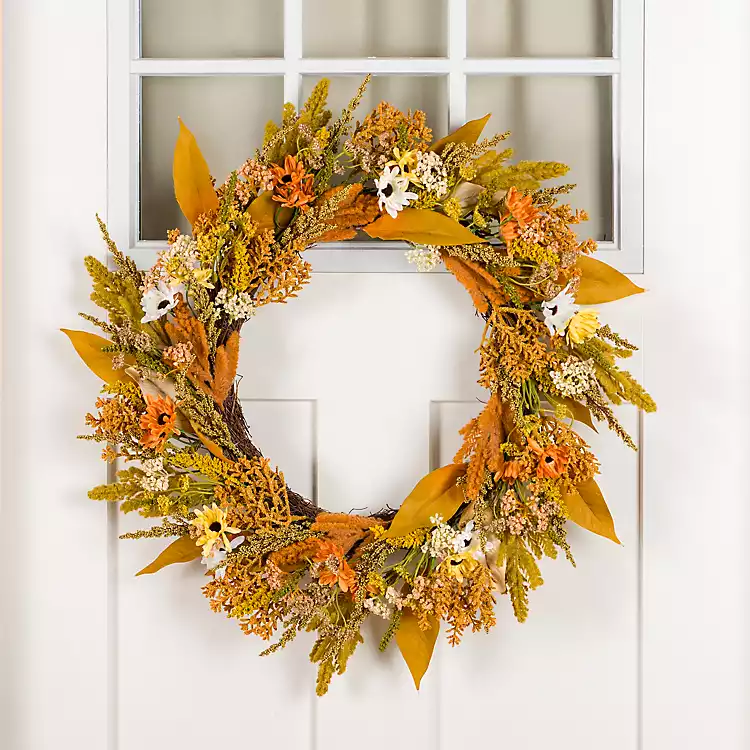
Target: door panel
x: 356, y: 389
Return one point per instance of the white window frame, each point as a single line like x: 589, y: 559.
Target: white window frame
x: 624, y: 68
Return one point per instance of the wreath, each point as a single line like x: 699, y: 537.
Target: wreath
x: 468, y: 531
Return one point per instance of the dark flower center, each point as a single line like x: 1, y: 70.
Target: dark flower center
x: 553, y: 310
x: 215, y: 526
x: 286, y: 178
x: 549, y: 460
x: 387, y: 191
x: 164, y: 303
x: 163, y: 418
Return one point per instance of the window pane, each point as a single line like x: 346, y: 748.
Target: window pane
x: 375, y: 28
x: 567, y: 119
x: 227, y: 117
x: 215, y: 29
x: 428, y: 93
x: 539, y: 28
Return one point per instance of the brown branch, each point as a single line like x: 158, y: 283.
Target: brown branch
x: 240, y: 434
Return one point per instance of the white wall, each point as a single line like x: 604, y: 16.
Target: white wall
x: 696, y: 521
x: 696, y: 667
x: 54, y: 669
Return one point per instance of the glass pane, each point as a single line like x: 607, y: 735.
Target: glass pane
x: 375, y: 28
x: 567, y: 119
x: 215, y: 29
x: 227, y: 117
x: 428, y: 93
x: 539, y: 28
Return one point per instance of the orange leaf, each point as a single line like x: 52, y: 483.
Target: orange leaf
x: 89, y: 347
x: 481, y: 285
x: 468, y: 133
x: 580, y: 412
x: 262, y: 211
x: 225, y: 367
x: 587, y: 508
x: 437, y: 493
x: 422, y: 227
x: 192, y: 181
x: 209, y: 444
x: 182, y: 550
x: 601, y: 283
x: 483, y: 437
x: 416, y: 645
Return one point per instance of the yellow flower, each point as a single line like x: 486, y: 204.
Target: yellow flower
x: 405, y: 162
x: 212, y: 523
x: 452, y: 207
x: 460, y: 566
x: 322, y: 137
x: 583, y: 325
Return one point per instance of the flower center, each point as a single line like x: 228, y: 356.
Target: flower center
x: 163, y: 418
x: 549, y: 460
x: 553, y: 309
x: 215, y: 527
x: 164, y: 303
x: 286, y: 178
x: 388, y: 191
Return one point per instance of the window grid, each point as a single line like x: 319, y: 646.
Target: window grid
x: 623, y: 252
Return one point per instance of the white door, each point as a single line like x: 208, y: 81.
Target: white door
x: 358, y: 387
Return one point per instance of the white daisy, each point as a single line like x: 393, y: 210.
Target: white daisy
x: 393, y: 195
x: 159, y: 300
x: 218, y: 556
x: 559, y: 311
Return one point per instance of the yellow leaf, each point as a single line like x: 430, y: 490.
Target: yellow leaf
x: 192, y: 181
x: 602, y: 283
x: 89, y: 347
x: 435, y: 493
x: 580, y: 412
x: 209, y: 444
x: 422, y: 227
x: 587, y: 508
x: 416, y: 645
x: 468, y: 133
x: 182, y: 550
x: 262, y: 211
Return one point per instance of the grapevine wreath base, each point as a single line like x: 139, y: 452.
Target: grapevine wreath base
x: 468, y: 531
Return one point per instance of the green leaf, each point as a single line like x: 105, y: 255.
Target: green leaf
x: 437, y: 493
x: 422, y: 227
x: 182, y: 550
x: 468, y: 133
x: 416, y: 645
x: 587, y: 508
x: 193, y: 187
x: 89, y: 347
x: 601, y: 283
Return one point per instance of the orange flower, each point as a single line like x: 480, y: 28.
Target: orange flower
x: 552, y: 459
x: 509, y: 231
x: 509, y: 470
x: 334, y: 568
x: 292, y: 186
x: 347, y: 578
x: 158, y: 422
x: 521, y: 206
x: 326, y: 549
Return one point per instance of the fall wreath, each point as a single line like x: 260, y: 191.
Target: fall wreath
x: 468, y: 531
